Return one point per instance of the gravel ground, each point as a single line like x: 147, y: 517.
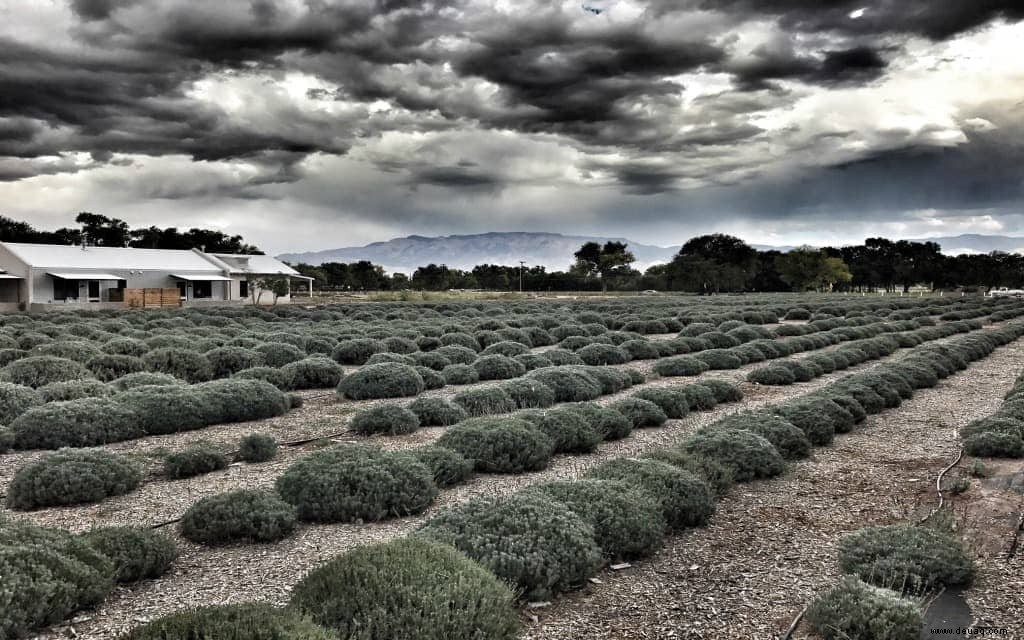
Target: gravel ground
x: 772, y: 545
x: 266, y: 572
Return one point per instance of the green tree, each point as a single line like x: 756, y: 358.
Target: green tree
x: 807, y: 268
x: 713, y: 263
x: 603, y: 262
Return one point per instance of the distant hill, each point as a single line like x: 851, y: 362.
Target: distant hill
x: 976, y: 243
x: 552, y: 250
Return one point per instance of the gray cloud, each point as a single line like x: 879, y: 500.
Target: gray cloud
x: 647, y: 104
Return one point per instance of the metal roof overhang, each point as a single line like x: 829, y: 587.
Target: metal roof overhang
x: 201, y: 278
x: 7, y: 276
x: 83, y: 275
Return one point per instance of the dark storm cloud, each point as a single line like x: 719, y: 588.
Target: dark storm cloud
x: 936, y: 19
x: 123, y: 82
x: 830, y: 68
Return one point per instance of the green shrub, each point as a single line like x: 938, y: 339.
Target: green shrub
x: 505, y: 348
x: 137, y: 553
x: 77, y: 423
x: 166, y: 409
x: 386, y: 380
x: 685, y: 499
x: 232, y: 622
x: 109, y: 366
x: 500, y: 445
x: 627, y: 521
x: 609, y: 423
x: 144, y: 379
x: 316, y: 372
x: 529, y: 541
x: 497, y: 367
x: 640, y: 413
x: 15, y: 399
x: 240, y: 400
x: 603, y: 354
x: 809, y: 417
x: 569, y: 431
x: 569, y: 384
x: 357, y: 483
x: 188, y: 365
x: 238, y: 516
x: 719, y: 359
x: 38, y: 371
x: 449, y: 467
x: 431, y: 360
x: 387, y: 419
x: 749, y: 455
x: 48, y: 574
x: 437, y: 412
x: 718, y: 476
x: 277, y: 377
x: 905, y: 558
x: 643, y: 349
x: 460, y: 374
x: 72, y: 477
x: 226, y: 361
x: 610, y: 380
x: 529, y: 394
x: 562, y: 357
x: 992, y: 444
x: 788, y: 439
x: 356, y: 351
x: 196, y: 460
x: 773, y: 374
x: 680, y: 366
x: 533, y: 361
x: 700, y: 398
x: 73, y: 390
x: 431, y: 379
x: 257, y: 447
x: 857, y: 611
x: 393, y: 590
x: 278, y: 354
x: 125, y: 347
x: 383, y: 358
x: 483, y: 401
x: 672, y: 400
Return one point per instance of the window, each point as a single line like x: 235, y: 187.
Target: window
x: 65, y: 289
x: 202, y: 289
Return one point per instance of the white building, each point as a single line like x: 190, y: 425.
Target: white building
x: 42, y: 276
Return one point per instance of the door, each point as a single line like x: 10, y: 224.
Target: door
x: 181, y: 289
x: 94, y: 290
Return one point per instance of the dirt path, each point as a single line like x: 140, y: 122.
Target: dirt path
x: 772, y: 545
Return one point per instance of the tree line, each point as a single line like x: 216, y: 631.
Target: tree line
x: 707, y: 264
x: 99, y: 230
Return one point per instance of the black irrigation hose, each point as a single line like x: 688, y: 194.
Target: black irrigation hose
x: 938, y: 482
x: 794, y: 624
x: 1015, y: 543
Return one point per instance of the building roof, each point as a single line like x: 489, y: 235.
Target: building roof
x: 70, y: 257
x: 255, y: 264
x: 61, y: 256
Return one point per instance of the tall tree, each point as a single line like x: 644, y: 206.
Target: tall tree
x: 603, y: 262
x: 713, y: 263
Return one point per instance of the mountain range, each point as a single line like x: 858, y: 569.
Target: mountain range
x: 554, y: 250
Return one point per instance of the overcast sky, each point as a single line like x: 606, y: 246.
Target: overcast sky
x: 313, y: 124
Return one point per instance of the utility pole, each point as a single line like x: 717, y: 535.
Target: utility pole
x: 522, y: 263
